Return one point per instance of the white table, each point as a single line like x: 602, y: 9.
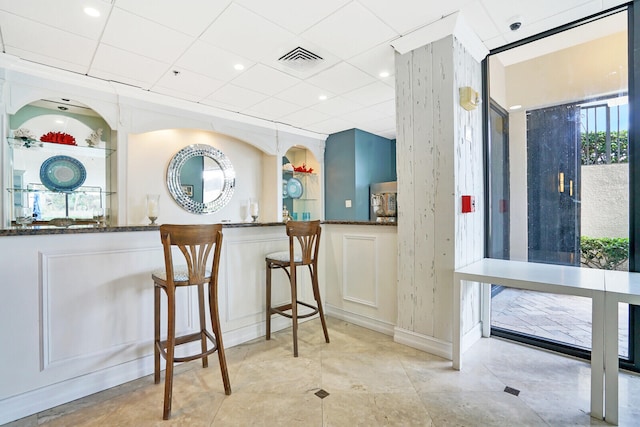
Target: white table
x: 555, y: 279
x: 620, y: 286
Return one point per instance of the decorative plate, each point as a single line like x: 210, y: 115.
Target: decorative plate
x: 294, y: 188
x: 62, y: 173
x: 285, y: 194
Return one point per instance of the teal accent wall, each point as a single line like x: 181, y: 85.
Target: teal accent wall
x: 354, y: 159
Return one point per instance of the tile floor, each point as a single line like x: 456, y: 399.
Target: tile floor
x: 563, y: 318
x: 371, y: 381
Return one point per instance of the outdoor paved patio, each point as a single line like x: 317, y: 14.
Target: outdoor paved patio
x: 558, y: 317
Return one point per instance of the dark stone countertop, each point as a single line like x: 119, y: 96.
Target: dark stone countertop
x: 48, y: 230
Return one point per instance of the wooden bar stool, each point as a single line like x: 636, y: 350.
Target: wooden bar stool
x: 196, y: 243
x: 307, y: 234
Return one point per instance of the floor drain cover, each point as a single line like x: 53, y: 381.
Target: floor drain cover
x: 511, y: 391
x: 321, y: 394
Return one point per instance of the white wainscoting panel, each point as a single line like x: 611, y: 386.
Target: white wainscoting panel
x: 360, y: 269
x: 96, y: 306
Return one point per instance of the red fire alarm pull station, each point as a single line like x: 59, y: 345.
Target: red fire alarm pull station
x: 468, y: 204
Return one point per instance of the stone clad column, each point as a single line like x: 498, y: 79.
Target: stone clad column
x: 439, y: 159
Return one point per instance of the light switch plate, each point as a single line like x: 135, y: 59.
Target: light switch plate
x: 347, y: 203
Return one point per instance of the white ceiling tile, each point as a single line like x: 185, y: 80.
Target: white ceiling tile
x: 192, y: 17
x: 179, y: 94
x: 111, y: 63
x: 476, y: 17
x: 255, y: 78
x: 341, y: 78
x: 70, y: 18
x: 407, y: 15
x: 45, y: 41
x: 332, y: 125
x: 364, y: 115
x: 272, y: 108
x: 303, y: 94
x: 502, y: 12
x: 387, y: 108
x: 350, y: 31
x: 337, y: 106
x: 246, y: 33
x: 212, y: 61
x: 388, y: 133
x: 374, y: 61
x: 189, y: 83
x: 608, y: 4
x: 294, y: 15
x: 236, y: 97
x: 135, y: 34
x: 303, y: 118
x: 379, y: 125
x: 375, y: 93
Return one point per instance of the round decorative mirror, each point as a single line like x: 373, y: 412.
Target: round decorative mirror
x: 201, y: 179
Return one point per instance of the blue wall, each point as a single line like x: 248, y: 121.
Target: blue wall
x: 353, y: 160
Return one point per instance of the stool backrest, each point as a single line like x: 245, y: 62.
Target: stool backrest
x: 196, y: 243
x: 307, y: 233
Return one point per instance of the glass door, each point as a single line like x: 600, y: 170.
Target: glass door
x: 568, y: 185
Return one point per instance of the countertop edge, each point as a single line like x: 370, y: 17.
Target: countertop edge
x: 34, y: 231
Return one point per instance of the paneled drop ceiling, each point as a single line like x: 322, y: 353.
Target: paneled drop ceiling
x: 191, y: 49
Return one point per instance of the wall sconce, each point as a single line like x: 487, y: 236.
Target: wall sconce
x: 469, y: 98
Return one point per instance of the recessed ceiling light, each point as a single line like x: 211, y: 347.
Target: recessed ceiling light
x: 515, y: 107
x: 239, y: 67
x: 322, y: 97
x: 384, y: 74
x: 91, y: 11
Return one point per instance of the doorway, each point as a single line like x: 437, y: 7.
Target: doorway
x: 567, y: 186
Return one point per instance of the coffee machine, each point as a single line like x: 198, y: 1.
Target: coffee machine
x: 383, y: 206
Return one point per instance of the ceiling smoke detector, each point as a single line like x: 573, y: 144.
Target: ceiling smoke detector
x: 300, y: 58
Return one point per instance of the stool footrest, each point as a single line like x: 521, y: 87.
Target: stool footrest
x: 282, y: 308
x: 184, y: 339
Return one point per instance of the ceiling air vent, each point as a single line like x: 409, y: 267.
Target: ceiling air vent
x: 300, y: 58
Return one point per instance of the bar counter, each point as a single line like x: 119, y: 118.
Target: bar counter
x: 78, y: 302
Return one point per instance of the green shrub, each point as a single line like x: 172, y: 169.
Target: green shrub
x: 607, y: 253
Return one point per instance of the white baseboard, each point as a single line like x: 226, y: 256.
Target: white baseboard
x: 433, y: 345
x: 366, y: 322
x: 423, y: 342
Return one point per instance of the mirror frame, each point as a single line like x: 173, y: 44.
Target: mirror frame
x: 175, y: 187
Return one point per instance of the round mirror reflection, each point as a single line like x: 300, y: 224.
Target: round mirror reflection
x: 201, y: 179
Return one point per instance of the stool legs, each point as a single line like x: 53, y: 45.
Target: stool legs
x: 156, y: 342
x: 293, y: 306
x: 171, y: 345
x: 217, y: 331
x: 316, y: 295
x: 203, y: 336
x: 294, y: 309
x: 169, y: 349
x: 268, y: 300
